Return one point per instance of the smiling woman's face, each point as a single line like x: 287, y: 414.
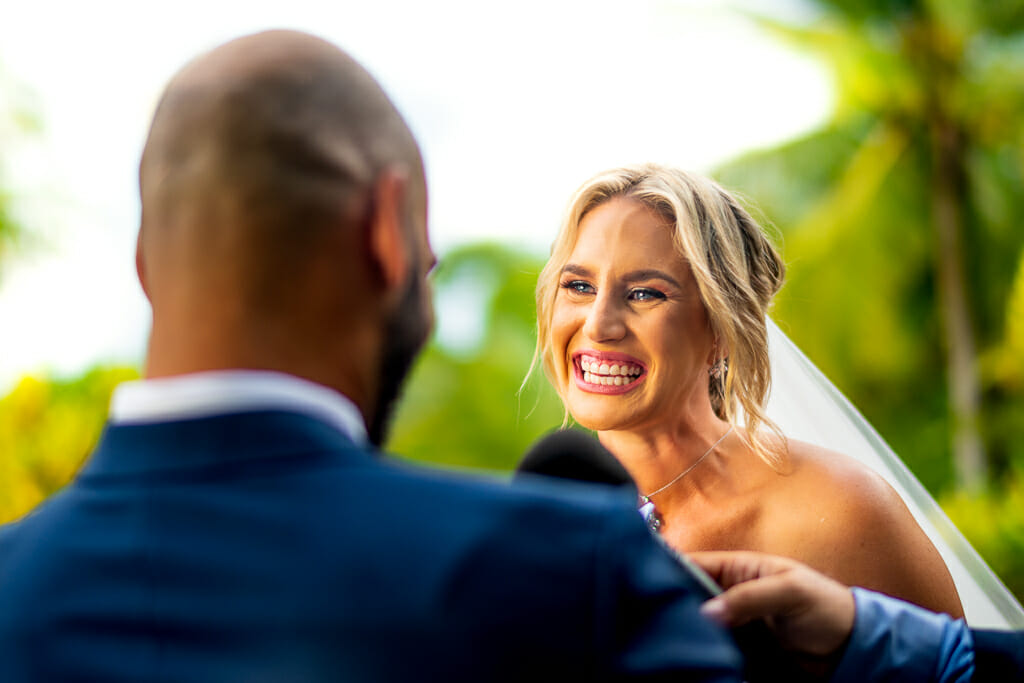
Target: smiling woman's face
x: 629, y: 332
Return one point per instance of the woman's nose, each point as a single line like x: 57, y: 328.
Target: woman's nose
x: 605, y: 321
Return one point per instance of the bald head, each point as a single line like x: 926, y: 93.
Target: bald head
x: 256, y: 147
x: 283, y: 218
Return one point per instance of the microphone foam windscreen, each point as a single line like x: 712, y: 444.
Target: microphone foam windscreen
x: 573, y: 454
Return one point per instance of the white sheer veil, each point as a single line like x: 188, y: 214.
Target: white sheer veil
x: 807, y: 407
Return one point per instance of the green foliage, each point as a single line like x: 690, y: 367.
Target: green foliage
x: 856, y: 203
x: 47, y: 428
x: 462, y: 405
x: 1003, y: 369
x: 993, y: 522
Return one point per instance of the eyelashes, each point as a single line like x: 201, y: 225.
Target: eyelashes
x: 638, y: 294
x: 646, y: 294
x: 577, y: 286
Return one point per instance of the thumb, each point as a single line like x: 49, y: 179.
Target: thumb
x: 769, y: 596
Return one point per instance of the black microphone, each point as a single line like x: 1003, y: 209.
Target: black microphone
x: 573, y: 454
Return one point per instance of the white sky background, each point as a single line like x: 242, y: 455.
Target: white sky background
x: 514, y: 104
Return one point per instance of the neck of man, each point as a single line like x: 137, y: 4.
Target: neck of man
x: 345, y: 358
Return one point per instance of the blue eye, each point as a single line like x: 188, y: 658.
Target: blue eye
x: 645, y: 294
x: 577, y: 287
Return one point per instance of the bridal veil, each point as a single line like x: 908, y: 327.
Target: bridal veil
x: 807, y: 407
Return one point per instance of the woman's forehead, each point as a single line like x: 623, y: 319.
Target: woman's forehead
x: 623, y: 229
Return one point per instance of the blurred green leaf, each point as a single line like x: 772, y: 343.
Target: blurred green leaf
x: 929, y: 118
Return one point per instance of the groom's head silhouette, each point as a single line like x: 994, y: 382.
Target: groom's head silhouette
x: 284, y: 222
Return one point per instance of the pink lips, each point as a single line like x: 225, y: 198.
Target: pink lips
x: 604, y: 369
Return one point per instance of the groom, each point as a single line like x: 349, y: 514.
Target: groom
x: 236, y: 521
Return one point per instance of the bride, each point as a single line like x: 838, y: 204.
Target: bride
x: 652, y: 328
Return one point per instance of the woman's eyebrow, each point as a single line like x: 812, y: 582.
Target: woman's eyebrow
x: 576, y: 270
x: 650, y: 274
x: 631, y: 276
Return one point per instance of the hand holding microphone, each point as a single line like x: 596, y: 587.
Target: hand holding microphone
x: 809, y: 612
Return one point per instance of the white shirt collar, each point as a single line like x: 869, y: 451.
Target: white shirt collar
x: 203, y: 394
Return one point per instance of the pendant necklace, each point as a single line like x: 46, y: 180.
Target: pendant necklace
x: 647, y: 509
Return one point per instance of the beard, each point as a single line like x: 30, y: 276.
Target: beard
x: 406, y: 331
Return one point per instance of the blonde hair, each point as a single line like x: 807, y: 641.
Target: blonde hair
x: 737, y: 270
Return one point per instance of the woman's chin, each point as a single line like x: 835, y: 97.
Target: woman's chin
x: 600, y: 420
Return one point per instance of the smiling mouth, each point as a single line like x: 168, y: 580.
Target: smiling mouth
x: 600, y: 372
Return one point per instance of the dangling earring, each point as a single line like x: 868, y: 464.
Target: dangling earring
x: 718, y: 369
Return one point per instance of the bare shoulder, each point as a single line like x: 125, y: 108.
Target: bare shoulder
x: 855, y: 489
x: 844, y: 519
x: 829, y: 501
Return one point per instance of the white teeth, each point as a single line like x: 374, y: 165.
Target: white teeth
x: 608, y: 374
x: 604, y: 380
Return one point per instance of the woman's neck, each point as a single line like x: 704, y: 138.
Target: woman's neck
x: 654, y: 457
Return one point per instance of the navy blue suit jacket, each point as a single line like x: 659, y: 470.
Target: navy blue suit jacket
x: 998, y: 656
x: 268, y: 547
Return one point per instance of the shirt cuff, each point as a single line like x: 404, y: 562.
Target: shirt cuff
x: 893, y: 640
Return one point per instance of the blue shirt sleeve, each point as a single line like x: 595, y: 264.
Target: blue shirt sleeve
x: 895, y: 641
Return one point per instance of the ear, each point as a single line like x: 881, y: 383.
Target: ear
x: 389, y: 247
x: 140, y: 265
x: 718, y: 352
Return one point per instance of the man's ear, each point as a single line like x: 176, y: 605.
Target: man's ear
x: 388, y: 243
x: 140, y: 265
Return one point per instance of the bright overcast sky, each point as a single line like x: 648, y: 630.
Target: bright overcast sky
x: 514, y: 104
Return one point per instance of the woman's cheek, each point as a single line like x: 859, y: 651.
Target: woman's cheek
x: 561, y: 333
